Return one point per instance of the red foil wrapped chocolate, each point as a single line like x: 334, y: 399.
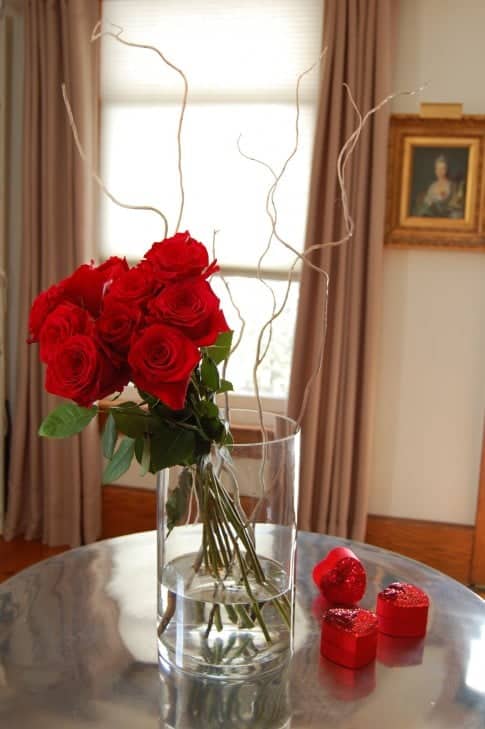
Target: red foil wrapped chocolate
x: 341, y: 577
x: 349, y: 636
x: 402, y: 610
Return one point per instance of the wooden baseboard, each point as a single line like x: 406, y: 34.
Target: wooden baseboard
x: 446, y: 547
x: 127, y: 510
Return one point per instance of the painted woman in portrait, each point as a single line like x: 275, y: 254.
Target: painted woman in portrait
x: 444, y: 198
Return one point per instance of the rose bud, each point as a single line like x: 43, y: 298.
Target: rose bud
x: 162, y: 360
x: 179, y: 257
x: 192, y: 307
x: 79, y: 370
x: 66, y: 320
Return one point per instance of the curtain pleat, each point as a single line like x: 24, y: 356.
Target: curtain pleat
x: 54, y: 489
x: 338, y: 422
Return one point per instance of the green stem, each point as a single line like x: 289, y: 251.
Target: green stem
x: 254, y: 602
x: 244, y: 616
x: 217, y: 617
x: 241, y: 530
x: 223, y: 529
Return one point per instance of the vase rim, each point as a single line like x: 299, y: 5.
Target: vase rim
x: 255, y: 421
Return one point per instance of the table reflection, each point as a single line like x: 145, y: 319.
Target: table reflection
x: 475, y: 673
x: 78, y: 651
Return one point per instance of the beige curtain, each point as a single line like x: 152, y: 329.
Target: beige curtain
x: 54, y: 488
x: 337, y: 427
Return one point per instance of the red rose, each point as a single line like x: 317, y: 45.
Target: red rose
x: 117, y: 323
x: 66, y: 319
x: 192, y: 307
x: 112, y: 267
x: 41, y: 308
x: 79, y: 370
x: 89, y: 284
x: 135, y: 286
x: 180, y: 257
x: 162, y: 360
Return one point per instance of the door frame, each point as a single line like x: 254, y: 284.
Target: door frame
x: 477, y: 576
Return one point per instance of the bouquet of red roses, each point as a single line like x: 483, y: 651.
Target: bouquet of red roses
x: 157, y: 324
x: 160, y: 326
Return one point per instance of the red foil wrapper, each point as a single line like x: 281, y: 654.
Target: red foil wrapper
x: 349, y: 636
x: 341, y: 577
x: 402, y: 610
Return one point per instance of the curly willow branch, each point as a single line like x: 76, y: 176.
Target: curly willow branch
x: 93, y: 172
x: 344, y: 157
x: 236, y: 308
x: 271, y: 210
x: 99, y: 33
x: 239, y: 316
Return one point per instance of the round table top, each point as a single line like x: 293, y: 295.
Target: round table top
x: 78, y: 651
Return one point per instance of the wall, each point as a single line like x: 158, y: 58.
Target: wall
x: 431, y: 390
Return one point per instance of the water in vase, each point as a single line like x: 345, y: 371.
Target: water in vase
x: 211, y: 626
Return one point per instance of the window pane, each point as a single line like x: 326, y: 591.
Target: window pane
x: 242, y: 59
x: 223, y: 190
x: 256, y: 305
x: 229, y: 48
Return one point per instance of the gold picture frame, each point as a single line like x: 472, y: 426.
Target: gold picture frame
x: 435, y: 183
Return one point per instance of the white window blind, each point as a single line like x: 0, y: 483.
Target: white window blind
x: 242, y: 59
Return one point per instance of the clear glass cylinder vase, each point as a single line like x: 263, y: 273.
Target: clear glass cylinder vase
x: 226, y: 552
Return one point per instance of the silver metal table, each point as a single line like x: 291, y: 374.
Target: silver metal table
x: 78, y: 651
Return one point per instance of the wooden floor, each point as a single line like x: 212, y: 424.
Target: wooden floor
x: 19, y: 554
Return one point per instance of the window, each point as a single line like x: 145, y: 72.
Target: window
x: 242, y: 59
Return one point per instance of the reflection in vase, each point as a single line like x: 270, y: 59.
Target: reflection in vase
x: 188, y: 702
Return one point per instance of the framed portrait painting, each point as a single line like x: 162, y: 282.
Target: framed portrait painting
x: 435, y: 184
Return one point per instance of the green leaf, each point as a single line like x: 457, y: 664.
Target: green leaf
x: 177, y: 502
x: 213, y: 428
x: 228, y: 440
x: 225, y: 386
x: 222, y: 348
x: 139, y: 448
x: 172, y: 447
x: 209, y: 409
x: 66, y: 420
x: 209, y: 374
x: 110, y: 435
x: 120, y: 462
x: 134, y: 422
x: 145, y: 458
